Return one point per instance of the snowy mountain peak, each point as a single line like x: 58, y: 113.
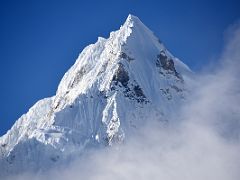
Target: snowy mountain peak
x: 134, y: 25
x: 132, y: 20
x: 114, y: 87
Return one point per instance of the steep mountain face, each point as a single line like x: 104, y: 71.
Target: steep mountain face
x: 114, y: 87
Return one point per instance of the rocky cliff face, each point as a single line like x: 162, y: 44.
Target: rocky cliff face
x: 115, y: 86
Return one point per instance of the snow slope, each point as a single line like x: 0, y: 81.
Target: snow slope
x: 114, y: 87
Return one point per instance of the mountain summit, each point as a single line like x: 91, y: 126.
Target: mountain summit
x: 114, y: 87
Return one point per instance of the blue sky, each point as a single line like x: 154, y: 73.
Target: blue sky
x: 40, y: 40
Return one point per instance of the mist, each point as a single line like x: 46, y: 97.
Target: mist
x: 203, y: 142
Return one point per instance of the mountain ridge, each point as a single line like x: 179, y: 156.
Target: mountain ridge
x: 114, y: 86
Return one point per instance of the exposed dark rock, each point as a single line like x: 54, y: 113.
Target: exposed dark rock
x: 3, y: 145
x: 138, y: 91
x: 103, y: 94
x: 130, y: 90
x: 78, y: 77
x: 55, y: 158
x: 58, y: 104
x: 176, y: 88
x: 121, y: 76
x: 135, y: 93
x: 125, y: 56
x: 167, y: 93
x: 113, y: 139
x: 169, y: 97
x: 165, y: 62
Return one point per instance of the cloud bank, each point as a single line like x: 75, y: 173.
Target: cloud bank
x: 203, y: 142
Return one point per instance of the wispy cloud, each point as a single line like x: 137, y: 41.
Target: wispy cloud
x: 205, y: 144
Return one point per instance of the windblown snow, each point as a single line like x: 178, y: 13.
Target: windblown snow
x: 114, y: 87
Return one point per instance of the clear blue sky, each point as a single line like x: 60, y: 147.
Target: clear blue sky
x: 40, y: 39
